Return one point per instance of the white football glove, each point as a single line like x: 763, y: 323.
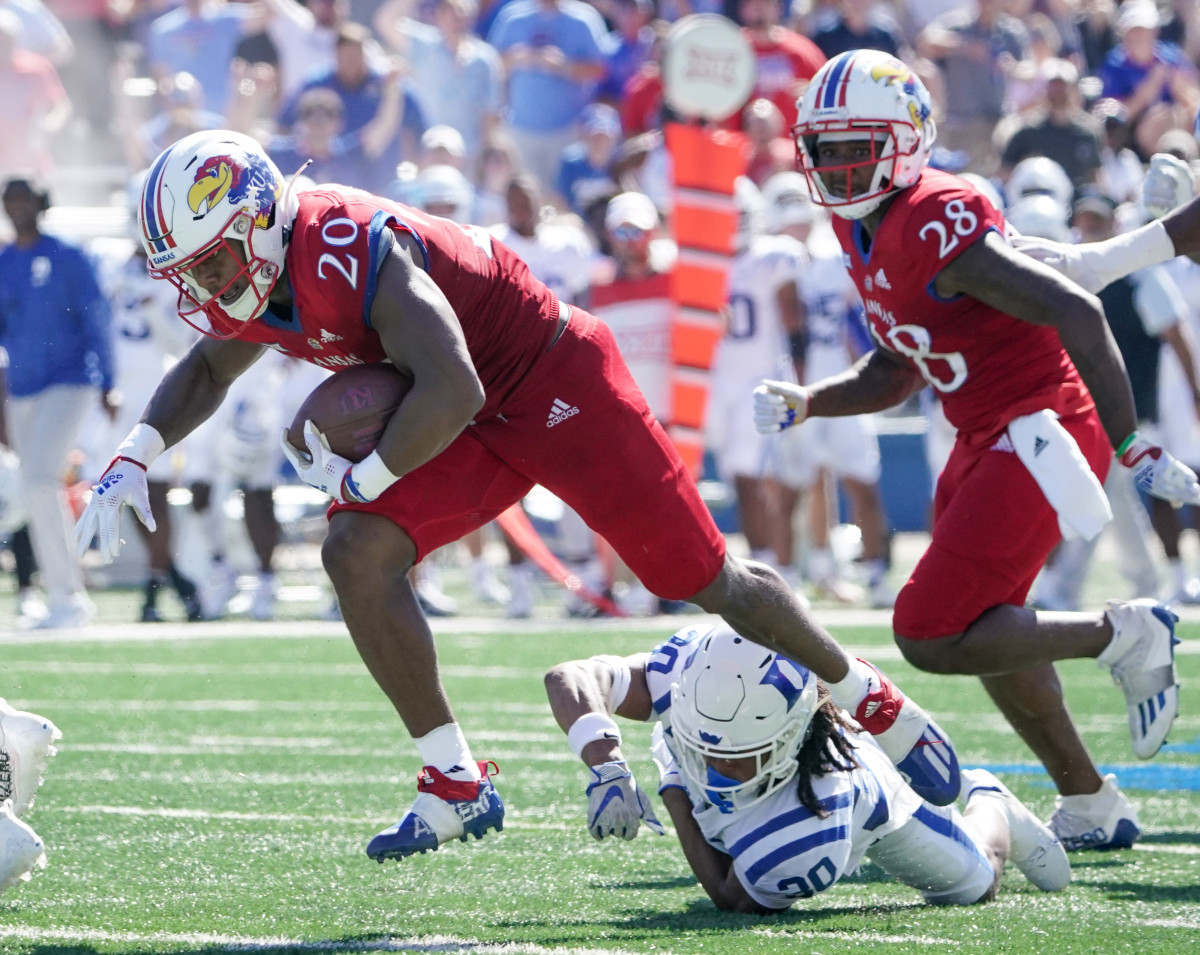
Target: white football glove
x: 779, y: 405
x: 668, y: 768
x: 1157, y: 472
x: 616, y: 803
x: 1169, y: 183
x: 1073, y: 261
x: 124, y: 483
x: 323, y: 469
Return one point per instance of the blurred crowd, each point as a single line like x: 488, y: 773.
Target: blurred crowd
x: 542, y: 121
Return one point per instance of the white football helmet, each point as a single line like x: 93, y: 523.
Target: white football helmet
x: 735, y: 700
x: 444, y: 191
x: 1040, y: 216
x: 1039, y: 175
x: 13, y: 513
x: 786, y: 202
x: 749, y: 204
x: 871, y: 96
x: 216, y: 189
x: 986, y: 186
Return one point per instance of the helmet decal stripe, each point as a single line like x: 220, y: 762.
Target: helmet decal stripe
x: 828, y: 96
x: 154, y: 225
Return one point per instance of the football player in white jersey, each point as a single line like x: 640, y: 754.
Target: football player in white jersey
x: 774, y: 792
x: 764, y: 333
x: 845, y: 448
x: 560, y: 254
x: 557, y: 251
x: 147, y: 340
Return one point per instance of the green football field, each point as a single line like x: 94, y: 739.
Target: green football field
x: 217, y: 784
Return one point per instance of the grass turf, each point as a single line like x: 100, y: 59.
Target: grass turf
x: 217, y: 794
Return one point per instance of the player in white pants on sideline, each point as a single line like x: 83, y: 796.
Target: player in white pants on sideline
x: 774, y: 792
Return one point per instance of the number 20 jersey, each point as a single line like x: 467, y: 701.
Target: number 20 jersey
x: 337, y: 246
x: 986, y: 366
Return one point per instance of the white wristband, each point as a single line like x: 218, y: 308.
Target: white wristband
x: 591, y: 727
x: 1124, y: 254
x: 143, y: 445
x: 368, y: 479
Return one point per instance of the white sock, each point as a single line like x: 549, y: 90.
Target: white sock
x: 1178, y: 577
x: 854, y: 687
x: 820, y: 564
x: 763, y: 555
x: 876, y: 571
x: 446, y: 750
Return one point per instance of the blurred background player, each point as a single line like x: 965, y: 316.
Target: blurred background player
x: 237, y: 449
x: 826, y: 453
x: 774, y: 792
x: 764, y: 329
x: 26, y: 743
x: 147, y: 340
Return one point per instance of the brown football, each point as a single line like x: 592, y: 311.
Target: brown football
x: 351, y: 408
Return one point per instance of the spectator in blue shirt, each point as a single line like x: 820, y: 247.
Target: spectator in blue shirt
x: 353, y: 159
x: 553, y: 51
x: 585, y: 170
x: 627, y: 47
x: 55, y: 326
x: 361, y: 87
x: 457, y: 77
x: 858, y: 25
x: 199, y: 37
x: 1154, y: 80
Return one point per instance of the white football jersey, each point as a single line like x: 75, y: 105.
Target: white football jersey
x: 829, y: 297
x: 560, y: 255
x: 755, y: 344
x: 782, y: 851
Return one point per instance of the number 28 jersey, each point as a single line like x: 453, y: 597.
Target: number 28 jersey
x: 987, y: 366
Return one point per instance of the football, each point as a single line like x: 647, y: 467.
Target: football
x: 351, y: 408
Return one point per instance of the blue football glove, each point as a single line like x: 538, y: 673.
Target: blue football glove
x: 664, y: 759
x: 616, y: 803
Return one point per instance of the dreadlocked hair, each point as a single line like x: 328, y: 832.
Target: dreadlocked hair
x: 826, y: 749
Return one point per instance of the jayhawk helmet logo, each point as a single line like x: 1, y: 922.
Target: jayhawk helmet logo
x: 251, y: 185
x: 895, y: 73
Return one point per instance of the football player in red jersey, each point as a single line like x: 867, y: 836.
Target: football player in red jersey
x: 511, y: 387
x: 1030, y: 376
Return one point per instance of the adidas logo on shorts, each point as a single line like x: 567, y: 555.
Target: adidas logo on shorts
x: 560, y: 412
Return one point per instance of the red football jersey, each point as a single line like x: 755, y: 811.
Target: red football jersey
x: 986, y: 366
x: 508, y: 317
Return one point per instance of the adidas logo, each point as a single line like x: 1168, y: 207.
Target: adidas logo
x: 881, y: 280
x: 328, y: 336
x: 560, y: 412
x: 1039, y: 445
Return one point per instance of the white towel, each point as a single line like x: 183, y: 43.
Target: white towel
x: 1051, y: 455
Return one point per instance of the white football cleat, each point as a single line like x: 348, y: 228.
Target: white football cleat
x: 1103, y: 820
x: 1035, y: 849
x: 26, y: 742
x: 20, y: 849
x: 1141, y: 657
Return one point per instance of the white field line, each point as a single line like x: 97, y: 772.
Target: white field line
x: 1177, y: 922
x: 1176, y: 849
x: 513, y: 819
x: 856, y: 937
x: 831, y: 617
x: 331, y: 750
x: 246, y: 943
x: 427, y: 943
